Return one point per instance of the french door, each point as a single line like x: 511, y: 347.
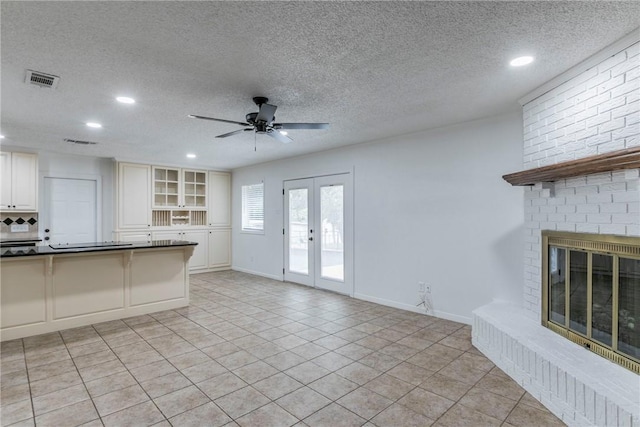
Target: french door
x: 319, y: 232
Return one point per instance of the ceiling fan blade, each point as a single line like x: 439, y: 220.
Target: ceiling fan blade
x: 301, y: 125
x: 267, y: 113
x: 224, y: 135
x: 280, y: 137
x: 193, y: 116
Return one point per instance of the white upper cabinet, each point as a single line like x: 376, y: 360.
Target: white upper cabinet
x: 134, y: 196
x: 219, y: 199
x: 194, y: 189
x: 179, y: 188
x: 19, y: 175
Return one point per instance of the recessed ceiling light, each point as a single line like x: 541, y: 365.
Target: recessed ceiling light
x: 520, y: 61
x: 125, y: 100
x: 191, y: 156
x: 94, y: 125
x: 284, y: 132
x: 1, y: 136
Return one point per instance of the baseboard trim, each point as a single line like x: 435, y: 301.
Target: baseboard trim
x: 409, y: 307
x: 257, y: 273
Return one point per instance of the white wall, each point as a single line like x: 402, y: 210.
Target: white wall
x: 428, y: 207
x: 81, y: 167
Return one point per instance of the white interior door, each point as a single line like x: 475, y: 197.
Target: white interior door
x: 70, y: 210
x: 318, y: 232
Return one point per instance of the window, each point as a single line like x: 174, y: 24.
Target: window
x: 253, y: 207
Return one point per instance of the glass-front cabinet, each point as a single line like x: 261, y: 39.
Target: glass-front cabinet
x: 194, y: 189
x: 166, y: 188
x: 179, y: 188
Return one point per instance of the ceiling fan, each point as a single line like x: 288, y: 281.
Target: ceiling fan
x: 263, y: 122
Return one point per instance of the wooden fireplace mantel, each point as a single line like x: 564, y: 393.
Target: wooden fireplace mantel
x: 608, y: 162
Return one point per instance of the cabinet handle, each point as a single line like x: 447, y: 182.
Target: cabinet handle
x: 14, y: 206
x: 8, y: 206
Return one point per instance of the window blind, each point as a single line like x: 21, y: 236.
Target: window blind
x: 253, y: 207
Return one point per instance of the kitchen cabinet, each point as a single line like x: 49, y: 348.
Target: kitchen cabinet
x: 134, y: 236
x: 134, y: 196
x: 44, y: 292
x: 19, y: 175
x: 167, y: 203
x: 219, y: 248
x: 219, y: 199
x: 199, y: 258
x: 179, y: 188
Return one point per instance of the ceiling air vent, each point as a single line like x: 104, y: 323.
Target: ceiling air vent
x: 79, y: 142
x: 41, y: 79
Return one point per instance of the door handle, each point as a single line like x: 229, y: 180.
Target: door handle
x: 311, y: 238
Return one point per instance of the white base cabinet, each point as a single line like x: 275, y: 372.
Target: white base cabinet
x: 219, y: 248
x: 134, y: 236
x: 46, y: 293
x: 199, y: 259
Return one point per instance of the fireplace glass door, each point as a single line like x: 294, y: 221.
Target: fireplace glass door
x: 629, y: 307
x: 591, y: 290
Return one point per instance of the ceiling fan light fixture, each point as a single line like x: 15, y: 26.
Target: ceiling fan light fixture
x: 125, y: 100
x: 521, y: 60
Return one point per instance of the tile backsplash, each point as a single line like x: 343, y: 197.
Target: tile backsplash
x: 27, y: 222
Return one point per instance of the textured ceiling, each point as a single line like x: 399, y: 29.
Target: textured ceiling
x: 371, y: 69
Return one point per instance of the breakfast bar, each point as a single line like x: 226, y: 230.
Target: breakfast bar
x: 50, y: 288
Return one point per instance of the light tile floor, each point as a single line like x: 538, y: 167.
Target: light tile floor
x: 250, y: 351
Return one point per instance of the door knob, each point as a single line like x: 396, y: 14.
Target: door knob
x: 310, y: 238
x: 46, y: 230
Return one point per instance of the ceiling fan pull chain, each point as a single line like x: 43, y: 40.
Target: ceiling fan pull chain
x: 255, y: 146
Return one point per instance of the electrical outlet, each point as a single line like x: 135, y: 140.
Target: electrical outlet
x: 421, y: 287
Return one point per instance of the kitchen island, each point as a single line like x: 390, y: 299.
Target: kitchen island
x: 50, y: 288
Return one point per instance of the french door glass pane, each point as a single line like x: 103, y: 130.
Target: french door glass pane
x: 602, y: 297
x: 331, y: 233
x: 629, y: 307
x: 578, y: 289
x: 298, y: 231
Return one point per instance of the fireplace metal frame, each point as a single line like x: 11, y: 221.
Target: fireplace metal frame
x: 606, y: 244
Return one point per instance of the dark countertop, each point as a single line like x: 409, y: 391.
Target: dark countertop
x: 35, y: 239
x: 19, y: 251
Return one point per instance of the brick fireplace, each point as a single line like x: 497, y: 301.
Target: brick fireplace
x: 592, y: 109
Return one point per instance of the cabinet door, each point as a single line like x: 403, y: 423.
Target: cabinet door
x: 168, y: 235
x: 5, y: 177
x: 194, y: 189
x: 219, y: 199
x: 134, y: 236
x: 219, y: 248
x: 134, y: 194
x: 24, y: 181
x: 166, y: 188
x: 199, y: 258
